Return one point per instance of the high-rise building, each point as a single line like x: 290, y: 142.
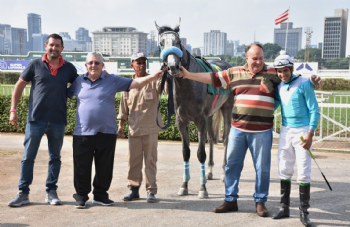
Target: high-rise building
x: 236, y: 45
x: 294, y: 38
x: 34, y: 27
x: 241, y: 50
x: 149, y: 47
x: 83, y: 39
x: 119, y: 41
x: 2, y: 42
x: 19, y: 41
x: 334, y: 35
x: 189, y: 48
x: 184, y: 42
x: 196, y: 51
x: 319, y: 45
x: 38, y: 42
x: 215, y: 42
x: 5, y: 29
x: 230, y: 48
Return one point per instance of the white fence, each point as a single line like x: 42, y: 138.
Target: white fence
x: 333, y: 131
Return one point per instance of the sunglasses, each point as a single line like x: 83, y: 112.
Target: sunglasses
x: 93, y: 62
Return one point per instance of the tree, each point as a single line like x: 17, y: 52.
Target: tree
x: 313, y: 53
x: 271, y: 50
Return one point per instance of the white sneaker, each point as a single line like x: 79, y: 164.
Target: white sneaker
x: 19, y: 200
x: 52, y: 198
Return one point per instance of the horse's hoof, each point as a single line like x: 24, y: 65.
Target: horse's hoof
x: 203, y: 194
x: 183, y: 191
x: 209, y: 176
x: 223, y: 178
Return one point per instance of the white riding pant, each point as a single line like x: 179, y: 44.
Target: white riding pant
x: 289, y: 150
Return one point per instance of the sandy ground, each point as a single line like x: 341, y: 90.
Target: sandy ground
x: 328, y: 208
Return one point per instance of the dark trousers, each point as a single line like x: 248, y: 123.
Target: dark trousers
x: 100, y: 147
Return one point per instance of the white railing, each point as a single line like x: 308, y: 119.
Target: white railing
x: 333, y: 132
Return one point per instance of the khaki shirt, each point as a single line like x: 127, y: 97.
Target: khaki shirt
x: 139, y: 108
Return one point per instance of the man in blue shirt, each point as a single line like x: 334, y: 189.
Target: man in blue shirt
x: 47, y: 114
x: 95, y: 130
x: 300, y: 116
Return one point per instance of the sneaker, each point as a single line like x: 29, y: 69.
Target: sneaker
x: 151, y: 198
x: 80, y: 204
x: 52, y: 198
x: 103, y: 202
x: 19, y: 200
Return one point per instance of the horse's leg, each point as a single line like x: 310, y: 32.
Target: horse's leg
x: 226, y: 111
x: 201, y: 155
x: 184, y: 131
x: 210, y: 130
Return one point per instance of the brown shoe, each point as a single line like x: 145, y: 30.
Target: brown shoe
x: 227, y: 206
x: 261, y: 209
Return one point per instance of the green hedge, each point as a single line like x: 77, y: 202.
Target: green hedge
x: 334, y: 85
x: 171, y: 133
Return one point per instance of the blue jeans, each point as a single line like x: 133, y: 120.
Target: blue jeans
x: 259, y: 144
x: 34, y: 132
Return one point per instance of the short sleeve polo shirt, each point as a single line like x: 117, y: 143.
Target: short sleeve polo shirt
x: 48, y: 93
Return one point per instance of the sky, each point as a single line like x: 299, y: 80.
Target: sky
x: 239, y: 19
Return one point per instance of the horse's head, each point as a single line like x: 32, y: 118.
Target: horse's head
x: 170, y: 44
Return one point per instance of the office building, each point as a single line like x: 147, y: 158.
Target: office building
x: 83, y: 40
x: 230, y: 48
x: 34, y: 27
x: 19, y: 41
x: 215, y: 43
x: 196, y: 51
x: 38, y: 42
x: 5, y: 30
x: 294, y: 38
x: 241, y: 50
x: 319, y: 45
x: 189, y: 48
x: 151, y: 49
x: 2, y: 42
x: 184, y: 42
x: 334, y: 36
x: 119, y: 41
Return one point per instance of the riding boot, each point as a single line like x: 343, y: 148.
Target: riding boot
x: 285, y: 200
x: 133, y: 195
x: 304, y: 192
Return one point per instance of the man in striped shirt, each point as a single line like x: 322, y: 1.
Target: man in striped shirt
x: 252, y: 120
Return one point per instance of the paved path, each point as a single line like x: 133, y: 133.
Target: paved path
x: 329, y: 208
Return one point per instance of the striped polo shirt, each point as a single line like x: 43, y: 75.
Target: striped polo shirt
x: 254, y: 96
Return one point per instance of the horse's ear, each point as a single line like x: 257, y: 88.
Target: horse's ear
x: 177, y: 27
x: 160, y: 30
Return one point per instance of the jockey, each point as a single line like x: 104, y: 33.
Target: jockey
x: 300, y: 116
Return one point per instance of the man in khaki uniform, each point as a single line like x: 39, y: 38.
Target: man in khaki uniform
x: 139, y: 108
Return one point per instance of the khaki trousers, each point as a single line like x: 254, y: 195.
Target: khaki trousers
x: 143, y: 147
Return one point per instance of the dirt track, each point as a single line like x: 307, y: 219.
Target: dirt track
x: 328, y: 208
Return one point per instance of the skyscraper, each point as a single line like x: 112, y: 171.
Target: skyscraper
x: 38, y: 42
x: 19, y: 41
x: 83, y: 39
x: 334, y: 35
x: 215, y: 42
x: 5, y: 29
x: 294, y: 38
x: 34, y: 27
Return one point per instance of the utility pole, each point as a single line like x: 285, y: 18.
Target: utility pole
x: 308, y: 32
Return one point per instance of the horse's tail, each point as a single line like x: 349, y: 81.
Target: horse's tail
x: 217, y: 121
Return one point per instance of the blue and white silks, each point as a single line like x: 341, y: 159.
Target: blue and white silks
x: 299, y: 103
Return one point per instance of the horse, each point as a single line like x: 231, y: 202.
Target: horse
x: 194, y: 104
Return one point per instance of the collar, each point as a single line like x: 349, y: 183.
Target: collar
x: 103, y: 75
x: 291, y: 79
x: 133, y: 76
x: 245, y: 67
x: 44, y: 58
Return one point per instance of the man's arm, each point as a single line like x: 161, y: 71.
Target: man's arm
x: 200, y: 77
x: 141, y: 82
x: 17, y: 93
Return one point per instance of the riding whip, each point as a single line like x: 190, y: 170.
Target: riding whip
x: 312, y: 156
